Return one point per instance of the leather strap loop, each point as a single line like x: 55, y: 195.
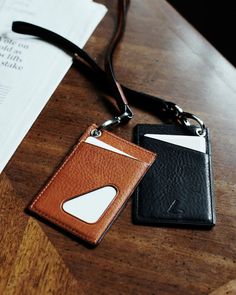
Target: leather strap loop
x: 117, y: 36
x: 166, y: 111
x: 92, y: 67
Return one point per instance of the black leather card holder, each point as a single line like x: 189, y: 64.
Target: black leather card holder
x: 178, y: 189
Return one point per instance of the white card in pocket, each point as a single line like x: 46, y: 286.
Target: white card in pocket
x: 90, y: 206
x: 94, y: 141
x: 197, y: 143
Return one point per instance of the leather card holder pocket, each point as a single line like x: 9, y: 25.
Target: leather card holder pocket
x: 177, y: 190
x: 92, y: 186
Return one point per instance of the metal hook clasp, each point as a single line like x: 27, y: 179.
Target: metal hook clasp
x: 183, y: 118
x: 126, y: 116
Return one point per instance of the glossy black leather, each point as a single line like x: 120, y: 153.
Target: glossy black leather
x: 177, y: 190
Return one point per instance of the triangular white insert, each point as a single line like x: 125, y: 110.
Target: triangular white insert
x: 90, y: 207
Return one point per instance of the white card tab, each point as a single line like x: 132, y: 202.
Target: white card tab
x: 197, y: 143
x: 94, y: 141
x: 90, y: 206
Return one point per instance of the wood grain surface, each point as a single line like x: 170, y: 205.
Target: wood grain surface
x: 161, y: 54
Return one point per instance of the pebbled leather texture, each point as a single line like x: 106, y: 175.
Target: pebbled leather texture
x: 86, y: 169
x: 177, y: 190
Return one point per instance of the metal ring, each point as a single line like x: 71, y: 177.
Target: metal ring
x: 126, y: 116
x: 96, y: 133
x: 183, y: 118
x: 107, y: 124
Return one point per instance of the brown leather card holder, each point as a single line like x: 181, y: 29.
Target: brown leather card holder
x: 92, y: 186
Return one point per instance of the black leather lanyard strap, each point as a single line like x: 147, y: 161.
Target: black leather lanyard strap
x: 96, y: 72
x: 165, y: 110
x: 179, y: 115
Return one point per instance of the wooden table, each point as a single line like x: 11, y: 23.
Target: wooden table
x: 163, y: 55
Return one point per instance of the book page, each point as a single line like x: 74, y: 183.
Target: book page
x: 30, y: 68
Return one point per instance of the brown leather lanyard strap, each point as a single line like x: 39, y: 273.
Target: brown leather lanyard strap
x: 165, y: 110
x: 161, y: 107
x: 117, y: 36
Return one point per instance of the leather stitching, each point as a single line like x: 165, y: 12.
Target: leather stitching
x: 58, y: 222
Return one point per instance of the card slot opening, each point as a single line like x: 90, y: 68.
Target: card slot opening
x: 173, y: 146
x: 103, y: 150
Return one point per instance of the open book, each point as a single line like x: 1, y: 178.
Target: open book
x: 31, y: 69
